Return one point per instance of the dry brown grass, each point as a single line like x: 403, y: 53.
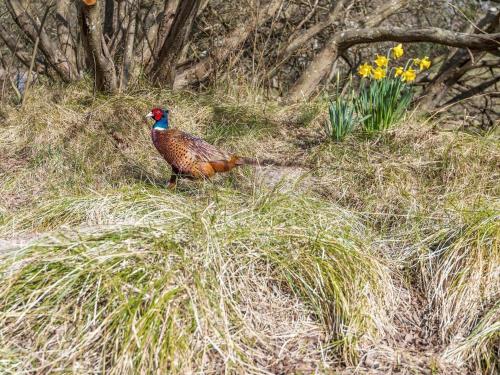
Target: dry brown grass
x: 310, y: 273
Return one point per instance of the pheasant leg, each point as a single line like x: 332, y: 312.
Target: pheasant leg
x: 172, y: 183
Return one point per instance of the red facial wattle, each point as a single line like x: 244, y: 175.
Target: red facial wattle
x: 157, y: 114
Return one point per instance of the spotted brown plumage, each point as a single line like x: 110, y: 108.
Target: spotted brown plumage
x: 188, y: 155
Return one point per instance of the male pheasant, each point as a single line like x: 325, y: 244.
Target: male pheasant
x: 190, y: 156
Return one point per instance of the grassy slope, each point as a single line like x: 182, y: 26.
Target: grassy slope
x: 241, y: 274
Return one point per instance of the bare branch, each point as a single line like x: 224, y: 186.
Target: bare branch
x: 129, y: 45
x: 33, y: 56
x: 321, y: 65
x: 454, y: 67
x: 203, y: 68
x: 385, y: 11
x: 301, y: 39
x: 17, y: 49
x: 473, y: 91
x: 56, y: 59
x: 482, y: 42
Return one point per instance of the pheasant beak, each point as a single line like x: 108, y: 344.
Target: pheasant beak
x: 149, y: 115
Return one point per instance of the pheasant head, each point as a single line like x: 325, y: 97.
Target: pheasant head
x: 161, y: 118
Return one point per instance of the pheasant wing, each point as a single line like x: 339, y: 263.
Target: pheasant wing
x: 203, y: 151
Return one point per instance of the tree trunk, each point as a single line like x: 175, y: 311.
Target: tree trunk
x: 163, y: 72
x: 157, y: 33
x: 129, y: 45
x: 95, y: 48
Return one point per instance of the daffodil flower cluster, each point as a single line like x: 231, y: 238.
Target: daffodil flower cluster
x: 381, y: 68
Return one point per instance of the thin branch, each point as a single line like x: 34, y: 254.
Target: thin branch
x: 35, y: 49
x: 302, y: 38
x: 18, y: 50
x: 473, y: 91
x: 127, y: 63
x: 231, y: 43
x: 30, y: 27
x: 321, y: 65
x: 457, y: 64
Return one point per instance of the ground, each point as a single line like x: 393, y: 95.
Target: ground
x: 371, y: 255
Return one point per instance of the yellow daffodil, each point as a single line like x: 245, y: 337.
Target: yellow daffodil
x: 399, y: 71
x: 425, y: 63
x: 379, y: 73
x: 365, y: 70
x: 409, y: 75
x: 398, y: 51
x: 381, y: 61
x: 417, y: 61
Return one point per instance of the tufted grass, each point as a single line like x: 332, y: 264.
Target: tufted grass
x: 164, y: 286
x: 481, y: 345
x: 461, y: 273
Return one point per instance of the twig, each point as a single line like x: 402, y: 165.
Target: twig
x: 33, y: 56
x: 473, y: 91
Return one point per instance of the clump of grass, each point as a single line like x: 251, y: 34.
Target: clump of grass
x: 341, y: 117
x: 139, y: 204
x: 461, y: 277
x: 99, y: 298
x: 341, y: 114
x: 3, y: 215
x: 169, y: 293
x: 307, y: 113
x: 482, y: 346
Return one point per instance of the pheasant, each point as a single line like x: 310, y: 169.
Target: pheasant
x: 190, y: 156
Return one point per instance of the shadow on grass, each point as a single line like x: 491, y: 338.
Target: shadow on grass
x: 185, y: 185
x: 233, y: 121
